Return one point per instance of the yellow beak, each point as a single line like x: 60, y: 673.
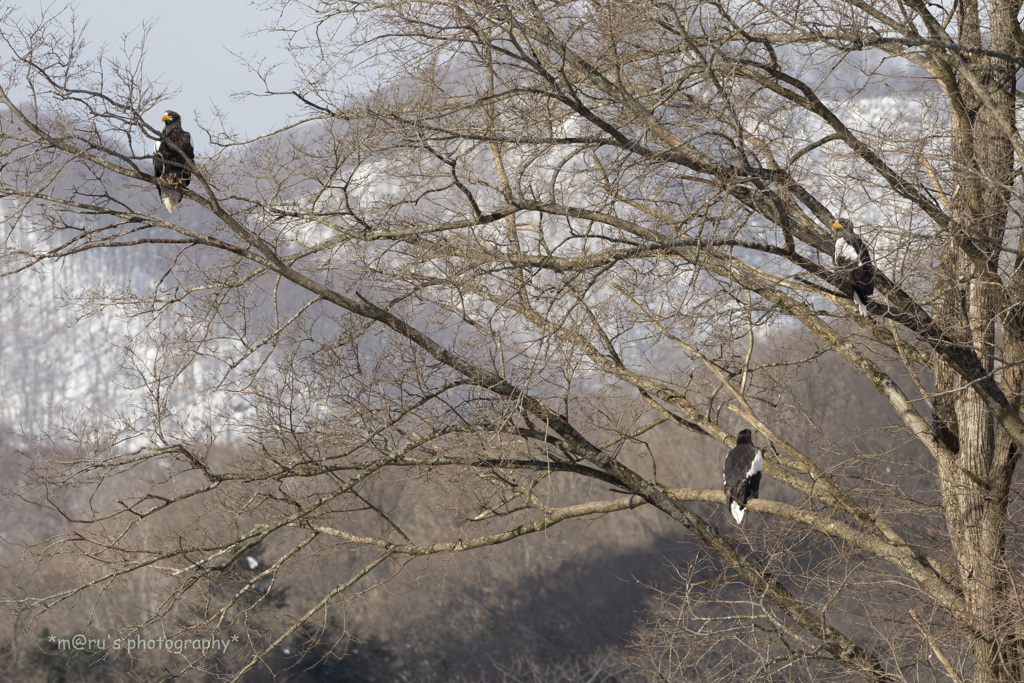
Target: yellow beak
x: 837, y: 225
x: 165, y: 117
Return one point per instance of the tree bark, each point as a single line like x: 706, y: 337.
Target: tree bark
x: 975, y: 485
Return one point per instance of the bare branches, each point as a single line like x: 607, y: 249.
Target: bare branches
x: 541, y: 271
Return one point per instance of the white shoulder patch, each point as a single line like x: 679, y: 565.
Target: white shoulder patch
x: 755, y: 467
x: 844, y: 249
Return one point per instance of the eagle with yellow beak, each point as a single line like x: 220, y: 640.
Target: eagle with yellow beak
x: 853, y: 263
x: 169, y: 160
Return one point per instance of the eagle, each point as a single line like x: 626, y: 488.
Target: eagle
x: 742, y: 474
x: 853, y: 263
x: 169, y: 159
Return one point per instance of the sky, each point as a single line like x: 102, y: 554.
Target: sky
x: 190, y: 46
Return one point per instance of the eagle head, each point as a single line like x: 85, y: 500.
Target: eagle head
x: 744, y: 437
x: 170, y: 116
x: 842, y: 223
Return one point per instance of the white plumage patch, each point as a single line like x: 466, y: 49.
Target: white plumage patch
x: 737, y: 512
x: 742, y: 474
x: 171, y: 199
x: 755, y: 467
x: 845, y: 250
x: 863, y: 307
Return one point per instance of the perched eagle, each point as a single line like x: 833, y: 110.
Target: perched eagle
x: 742, y: 474
x: 854, y: 262
x: 169, y: 159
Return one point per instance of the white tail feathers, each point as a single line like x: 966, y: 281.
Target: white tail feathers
x: 861, y: 304
x: 171, y: 199
x: 737, y: 511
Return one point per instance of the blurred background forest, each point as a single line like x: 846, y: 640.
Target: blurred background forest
x: 578, y: 604
x: 434, y: 381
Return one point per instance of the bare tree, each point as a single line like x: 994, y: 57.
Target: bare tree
x: 505, y: 244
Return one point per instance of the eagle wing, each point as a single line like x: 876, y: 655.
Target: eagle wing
x: 754, y: 474
x: 158, y: 160
x: 846, y: 253
x: 167, y: 158
x: 742, y: 478
x: 186, y: 148
x: 186, y: 145
x: 864, y: 276
x: 741, y: 464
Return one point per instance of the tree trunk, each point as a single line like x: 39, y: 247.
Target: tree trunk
x: 975, y: 486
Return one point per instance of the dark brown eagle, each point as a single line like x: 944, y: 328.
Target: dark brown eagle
x: 169, y: 160
x: 742, y: 474
x: 853, y: 263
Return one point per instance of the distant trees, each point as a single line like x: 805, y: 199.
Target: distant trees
x: 507, y: 243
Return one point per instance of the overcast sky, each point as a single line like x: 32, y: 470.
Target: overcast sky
x: 191, y: 46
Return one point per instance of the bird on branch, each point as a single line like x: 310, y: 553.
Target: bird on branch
x: 853, y: 263
x: 742, y: 474
x: 169, y: 160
